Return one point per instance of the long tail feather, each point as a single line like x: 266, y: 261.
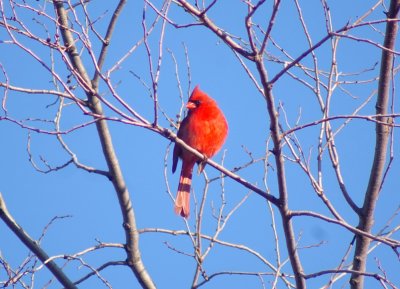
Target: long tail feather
x: 182, y: 201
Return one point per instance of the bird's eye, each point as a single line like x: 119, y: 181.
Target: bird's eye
x: 193, y: 104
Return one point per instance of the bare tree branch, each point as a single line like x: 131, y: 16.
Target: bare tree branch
x: 366, y: 216
x: 132, y: 237
x: 33, y: 246
x: 171, y: 136
x: 202, y: 17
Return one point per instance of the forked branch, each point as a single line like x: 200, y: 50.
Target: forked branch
x: 367, y: 213
x: 134, y: 259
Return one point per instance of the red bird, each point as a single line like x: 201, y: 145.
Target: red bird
x: 204, y: 129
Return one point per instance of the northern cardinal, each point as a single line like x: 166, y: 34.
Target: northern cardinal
x: 204, y: 129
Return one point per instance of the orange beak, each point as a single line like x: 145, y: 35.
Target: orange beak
x: 190, y: 105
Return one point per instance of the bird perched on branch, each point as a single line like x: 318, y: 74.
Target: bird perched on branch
x: 204, y: 129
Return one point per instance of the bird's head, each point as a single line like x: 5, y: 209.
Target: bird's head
x: 198, y: 99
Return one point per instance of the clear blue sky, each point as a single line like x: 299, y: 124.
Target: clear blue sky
x: 34, y: 198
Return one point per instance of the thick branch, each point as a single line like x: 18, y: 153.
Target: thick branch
x: 171, y: 136
x: 281, y: 177
x: 366, y: 216
x: 134, y: 259
x: 33, y: 246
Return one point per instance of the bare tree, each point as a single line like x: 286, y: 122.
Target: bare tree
x: 93, y: 66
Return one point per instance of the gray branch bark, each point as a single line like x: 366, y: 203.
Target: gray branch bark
x: 33, y: 246
x: 366, y: 214
x: 134, y: 259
